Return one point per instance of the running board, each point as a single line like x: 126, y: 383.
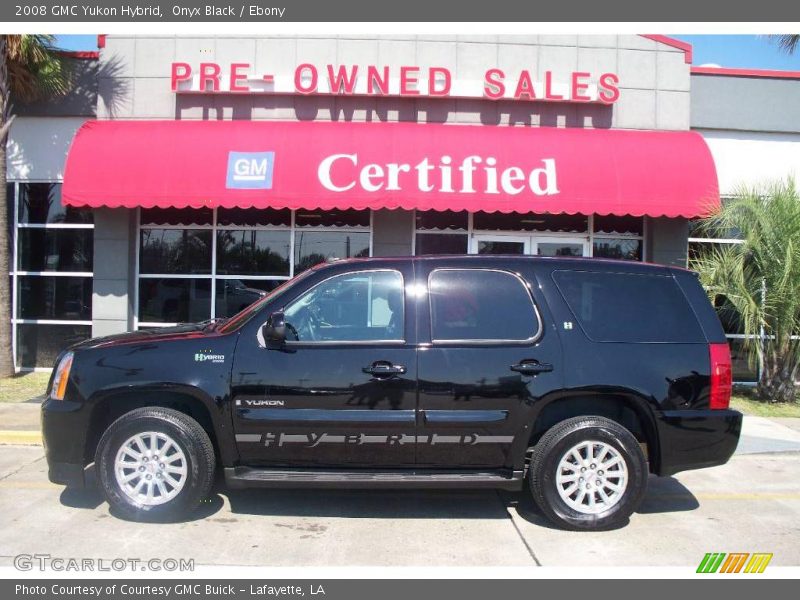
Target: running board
x: 247, y: 477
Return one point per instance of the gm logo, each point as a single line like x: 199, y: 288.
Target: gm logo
x: 250, y: 170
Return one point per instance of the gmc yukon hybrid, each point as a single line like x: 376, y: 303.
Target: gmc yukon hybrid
x: 574, y: 378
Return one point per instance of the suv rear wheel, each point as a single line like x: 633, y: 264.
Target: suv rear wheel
x: 588, y: 473
x: 155, y: 464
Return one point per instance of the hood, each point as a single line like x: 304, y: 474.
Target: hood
x: 157, y: 334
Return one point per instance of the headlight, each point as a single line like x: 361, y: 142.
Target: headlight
x: 61, y: 377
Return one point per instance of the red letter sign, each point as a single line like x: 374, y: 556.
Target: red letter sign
x: 408, y: 81
x: 236, y: 77
x: 608, y: 90
x: 493, y: 86
x: 209, y: 73
x: 579, y: 87
x: 444, y: 83
x: 298, y: 79
x: 180, y: 72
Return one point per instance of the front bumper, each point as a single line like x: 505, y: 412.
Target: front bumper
x: 69, y: 474
x: 696, y: 439
x: 64, y: 427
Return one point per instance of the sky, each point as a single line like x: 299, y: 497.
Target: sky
x: 742, y: 51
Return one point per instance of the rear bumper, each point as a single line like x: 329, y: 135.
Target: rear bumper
x: 696, y: 439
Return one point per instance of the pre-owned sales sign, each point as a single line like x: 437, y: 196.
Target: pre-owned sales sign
x: 373, y: 80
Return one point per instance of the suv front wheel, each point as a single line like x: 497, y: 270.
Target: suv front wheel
x: 588, y: 473
x: 155, y: 463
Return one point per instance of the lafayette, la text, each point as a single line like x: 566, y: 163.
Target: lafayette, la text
x: 197, y: 589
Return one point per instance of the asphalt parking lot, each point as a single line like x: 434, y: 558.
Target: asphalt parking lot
x: 752, y: 504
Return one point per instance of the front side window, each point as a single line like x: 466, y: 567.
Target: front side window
x: 365, y: 306
x: 480, y: 306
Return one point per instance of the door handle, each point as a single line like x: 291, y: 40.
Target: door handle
x: 384, y: 369
x: 531, y: 367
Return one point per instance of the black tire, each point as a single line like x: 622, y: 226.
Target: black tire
x: 189, y: 436
x: 556, y: 442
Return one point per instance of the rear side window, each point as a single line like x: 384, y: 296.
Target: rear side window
x: 480, y: 305
x: 628, y: 307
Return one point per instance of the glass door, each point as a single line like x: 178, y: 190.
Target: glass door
x: 500, y: 244
x: 559, y: 246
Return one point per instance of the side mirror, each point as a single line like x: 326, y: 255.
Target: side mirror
x: 274, y: 330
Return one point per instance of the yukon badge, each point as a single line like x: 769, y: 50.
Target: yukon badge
x: 263, y: 402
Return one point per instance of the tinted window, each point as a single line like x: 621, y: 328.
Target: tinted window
x: 315, y: 247
x: 184, y: 251
x: 354, y: 307
x: 480, y: 305
x: 48, y: 297
x: 174, y: 300
x: 626, y: 307
x: 253, y: 252
x: 41, y: 203
x: 234, y: 295
x: 433, y: 243
x: 618, y: 248
x: 39, y: 345
x: 55, y: 249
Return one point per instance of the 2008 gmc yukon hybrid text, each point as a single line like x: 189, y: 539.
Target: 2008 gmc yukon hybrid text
x: 574, y: 378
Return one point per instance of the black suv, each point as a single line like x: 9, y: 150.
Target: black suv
x: 573, y: 377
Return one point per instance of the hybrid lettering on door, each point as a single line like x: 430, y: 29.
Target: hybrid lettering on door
x: 407, y: 81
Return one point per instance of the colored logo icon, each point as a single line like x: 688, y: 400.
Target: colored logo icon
x: 734, y: 562
x: 250, y: 170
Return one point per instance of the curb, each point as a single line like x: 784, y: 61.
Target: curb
x: 24, y: 438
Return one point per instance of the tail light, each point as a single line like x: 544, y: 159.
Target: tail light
x: 721, y: 375
x: 61, y: 377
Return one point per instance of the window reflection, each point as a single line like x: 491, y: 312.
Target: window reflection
x: 185, y: 251
x: 174, y: 300
x: 253, y: 252
x: 314, y: 247
x: 621, y: 249
x: 352, y: 307
x: 41, y: 203
x: 55, y: 249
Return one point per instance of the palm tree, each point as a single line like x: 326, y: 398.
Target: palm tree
x: 786, y: 42
x: 31, y: 68
x: 759, y: 279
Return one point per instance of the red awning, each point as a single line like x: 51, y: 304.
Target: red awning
x: 389, y: 165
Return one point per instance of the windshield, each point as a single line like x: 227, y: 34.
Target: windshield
x: 248, y: 313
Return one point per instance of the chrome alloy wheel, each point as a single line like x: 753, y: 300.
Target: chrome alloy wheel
x: 151, y: 468
x: 592, y: 477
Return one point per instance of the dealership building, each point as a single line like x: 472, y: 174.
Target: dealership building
x: 183, y: 177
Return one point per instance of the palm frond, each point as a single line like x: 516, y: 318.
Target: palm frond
x: 35, y: 68
x: 759, y: 279
x: 786, y: 42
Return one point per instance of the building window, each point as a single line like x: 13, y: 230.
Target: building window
x: 449, y: 232
x: 198, y: 264
x: 616, y: 237
x: 441, y: 232
x: 51, y: 273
